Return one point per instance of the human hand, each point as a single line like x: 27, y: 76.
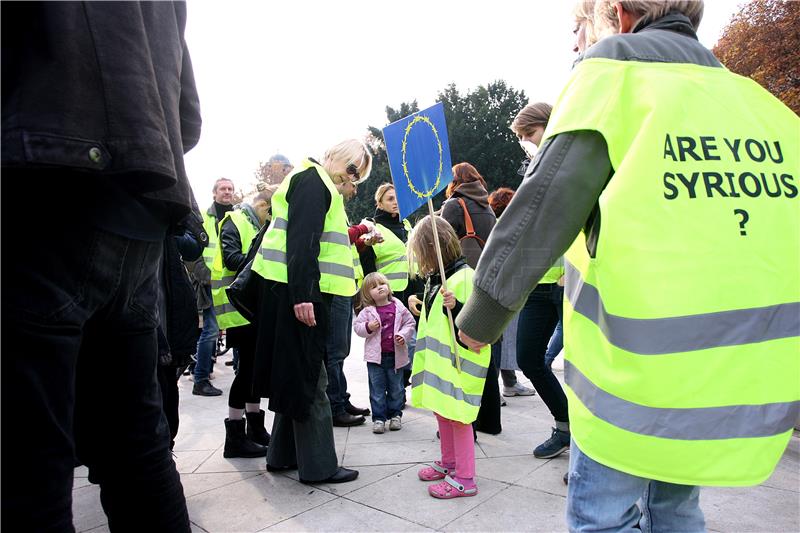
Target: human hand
x: 304, y: 312
x: 374, y: 326
x: 369, y: 224
x: 469, y: 342
x: 399, y: 340
x: 449, y: 299
x: 414, y: 305
x: 560, y: 281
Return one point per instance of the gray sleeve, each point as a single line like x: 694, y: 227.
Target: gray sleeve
x: 547, y: 212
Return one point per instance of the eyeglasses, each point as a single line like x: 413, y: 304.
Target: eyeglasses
x: 352, y: 170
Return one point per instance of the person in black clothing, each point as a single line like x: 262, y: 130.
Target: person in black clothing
x: 241, y: 400
x: 177, y: 328
x: 98, y: 107
x: 469, y: 187
x: 293, y: 318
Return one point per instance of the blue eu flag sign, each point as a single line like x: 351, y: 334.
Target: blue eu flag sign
x: 419, y: 157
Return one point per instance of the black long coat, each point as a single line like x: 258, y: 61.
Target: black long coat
x: 289, y: 354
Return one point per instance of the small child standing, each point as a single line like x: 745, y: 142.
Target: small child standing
x: 436, y: 383
x: 387, y: 326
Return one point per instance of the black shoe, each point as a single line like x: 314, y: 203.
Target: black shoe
x: 237, y: 444
x: 342, y: 475
x: 205, y: 388
x: 565, y: 479
x: 256, y: 431
x: 347, y: 420
x: 557, y: 444
x: 355, y: 411
x: 229, y: 363
x: 271, y: 468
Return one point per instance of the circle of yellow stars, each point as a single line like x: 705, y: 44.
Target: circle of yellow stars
x: 429, y: 192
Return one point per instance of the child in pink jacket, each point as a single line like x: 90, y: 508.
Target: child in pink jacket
x: 386, y: 326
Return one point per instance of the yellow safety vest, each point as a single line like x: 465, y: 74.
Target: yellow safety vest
x: 682, y: 333
x: 357, y: 268
x: 554, y: 273
x: 435, y: 382
x: 391, y: 260
x: 221, y: 277
x: 336, y: 262
x: 210, y: 227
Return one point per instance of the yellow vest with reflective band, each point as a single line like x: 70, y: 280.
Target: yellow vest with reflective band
x: 554, y: 273
x: 357, y: 268
x: 681, y: 334
x: 210, y: 227
x: 435, y: 382
x: 221, y: 277
x: 390, y: 259
x: 336, y: 265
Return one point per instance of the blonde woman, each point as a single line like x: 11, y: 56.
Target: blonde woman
x: 305, y: 260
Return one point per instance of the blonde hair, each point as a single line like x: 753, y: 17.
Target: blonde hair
x: 346, y: 153
x: 584, y: 15
x: 605, y: 15
x: 383, y: 188
x: 531, y: 117
x: 422, y: 250
x: 371, y: 281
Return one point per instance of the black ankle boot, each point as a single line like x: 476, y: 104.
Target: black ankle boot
x: 256, y: 431
x: 237, y: 444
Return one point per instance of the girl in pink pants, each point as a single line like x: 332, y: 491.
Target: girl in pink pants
x: 451, y: 387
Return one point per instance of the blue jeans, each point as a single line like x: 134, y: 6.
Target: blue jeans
x: 338, y: 348
x: 76, y: 312
x: 385, y: 388
x: 207, y: 343
x: 555, y: 345
x: 603, y: 499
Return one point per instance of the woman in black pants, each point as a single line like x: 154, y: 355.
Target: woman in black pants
x: 542, y: 310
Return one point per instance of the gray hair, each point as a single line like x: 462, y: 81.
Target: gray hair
x: 605, y: 16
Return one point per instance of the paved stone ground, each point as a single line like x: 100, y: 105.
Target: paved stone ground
x: 517, y: 491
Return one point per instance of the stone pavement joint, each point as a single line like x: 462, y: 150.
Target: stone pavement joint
x: 517, y: 492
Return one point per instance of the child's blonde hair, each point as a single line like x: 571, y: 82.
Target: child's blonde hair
x: 371, y: 281
x: 422, y: 250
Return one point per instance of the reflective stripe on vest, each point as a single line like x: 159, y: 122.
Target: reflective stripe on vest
x: 390, y: 259
x: 358, y: 271
x: 682, y: 333
x: 335, y: 259
x: 435, y: 382
x: 221, y: 277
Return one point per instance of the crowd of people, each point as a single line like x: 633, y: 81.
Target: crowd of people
x: 680, y: 369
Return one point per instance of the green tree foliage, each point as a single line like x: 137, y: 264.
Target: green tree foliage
x: 478, y: 128
x: 762, y: 42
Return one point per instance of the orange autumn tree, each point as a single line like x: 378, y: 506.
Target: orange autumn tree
x: 762, y: 42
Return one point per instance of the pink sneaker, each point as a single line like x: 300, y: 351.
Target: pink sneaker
x: 450, y: 488
x: 434, y: 472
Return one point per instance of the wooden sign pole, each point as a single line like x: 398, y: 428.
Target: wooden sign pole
x: 444, y: 283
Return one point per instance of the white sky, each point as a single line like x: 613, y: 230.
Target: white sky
x: 296, y: 77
